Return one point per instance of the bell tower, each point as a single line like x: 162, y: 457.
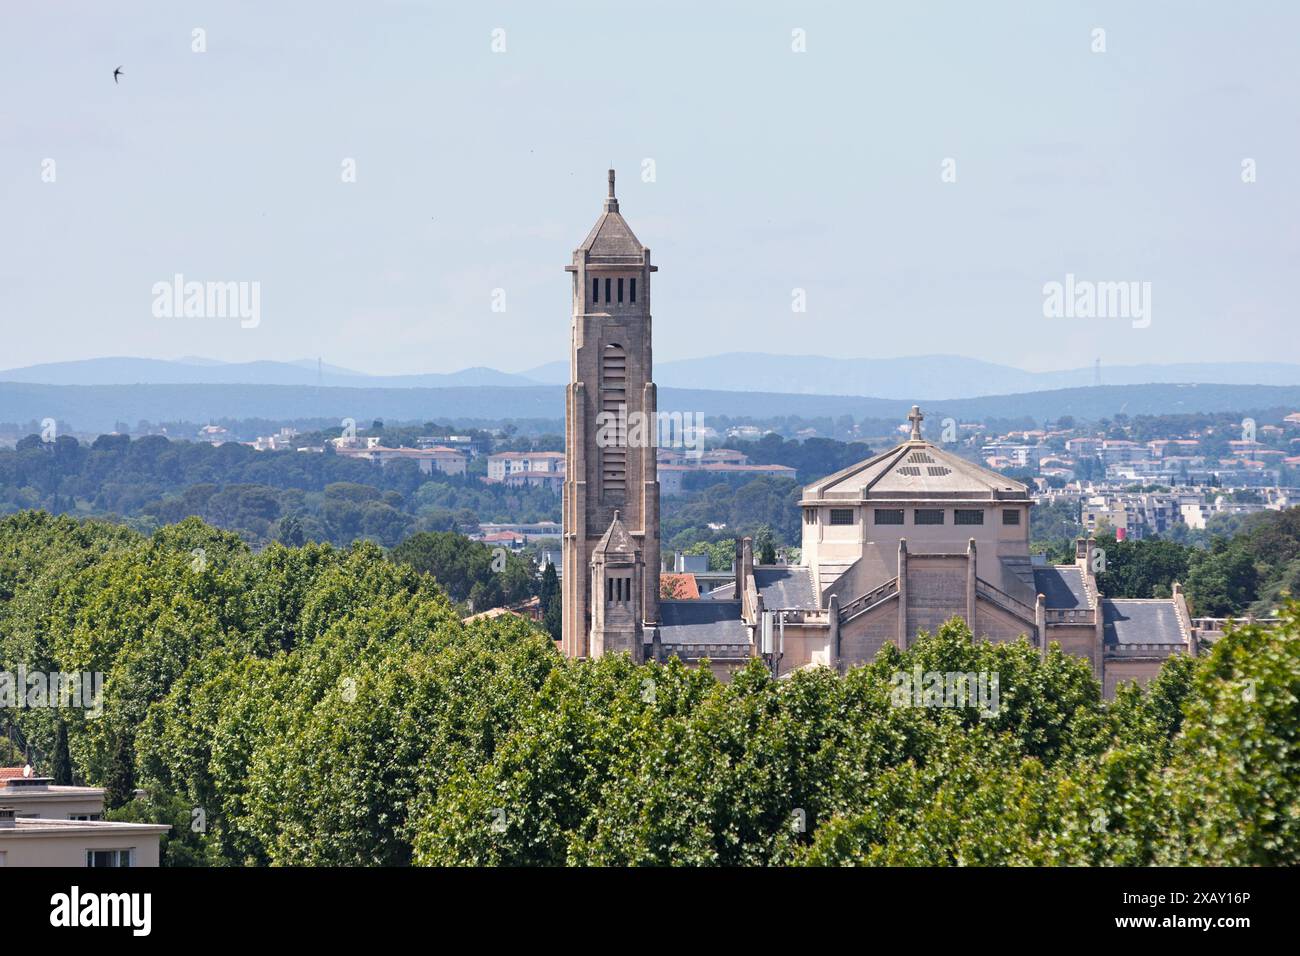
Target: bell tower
x: 611, y: 484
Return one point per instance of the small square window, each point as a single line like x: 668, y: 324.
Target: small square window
x: 927, y: 516
x: 968, y: 516
x: 889, y: 516
x: 1011, y: 516
x: 841, y: 516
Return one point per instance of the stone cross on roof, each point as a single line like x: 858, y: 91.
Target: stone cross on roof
x: 915, y: 418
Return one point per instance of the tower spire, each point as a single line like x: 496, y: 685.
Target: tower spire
x: 611, y: 202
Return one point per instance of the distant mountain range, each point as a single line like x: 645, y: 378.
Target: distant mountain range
x: 199, y: 371
x: 932, y: 377
x: 95, y: 408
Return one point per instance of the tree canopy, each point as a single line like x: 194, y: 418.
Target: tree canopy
x: 316, y: 705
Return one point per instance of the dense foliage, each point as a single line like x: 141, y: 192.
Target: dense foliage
x: 310, y: 705
x: 288, y: 496
x: 1253, y: 571
x: 294, y: 497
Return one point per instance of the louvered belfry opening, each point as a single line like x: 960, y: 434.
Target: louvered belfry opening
x: 613, y: 398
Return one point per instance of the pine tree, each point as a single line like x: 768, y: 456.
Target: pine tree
x: 552, y: 605
x: 61, y: 761
x: 119, y: 781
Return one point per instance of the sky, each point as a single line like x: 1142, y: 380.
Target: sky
x: 921, y: 171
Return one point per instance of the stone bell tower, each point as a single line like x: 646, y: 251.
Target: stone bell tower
x: 611, y: 484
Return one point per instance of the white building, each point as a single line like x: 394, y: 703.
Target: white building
x: 506, y: 463
x: 42, y: 824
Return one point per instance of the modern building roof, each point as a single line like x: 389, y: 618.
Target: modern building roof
x: 34, y: 826
x: 1133, y: 621
x: 701, y: 622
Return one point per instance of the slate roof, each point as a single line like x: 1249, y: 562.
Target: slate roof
x: 916, y: 468
x: 701, y: 622
x: 1062, y: 586
x: 1132, y: 621
x: 785, y: 587
x: 612, y: 237
x: 616, y: 539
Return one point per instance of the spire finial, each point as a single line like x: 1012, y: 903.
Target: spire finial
x: 915, y: 418
x: 611, y: 203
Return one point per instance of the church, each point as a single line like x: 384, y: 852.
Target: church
x: 891, y: 546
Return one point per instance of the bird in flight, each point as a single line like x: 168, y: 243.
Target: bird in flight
x: 117, y: 73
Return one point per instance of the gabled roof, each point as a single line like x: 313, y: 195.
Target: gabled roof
x: 915, y: 468
x: 616, y: 539
x: 611, y: 239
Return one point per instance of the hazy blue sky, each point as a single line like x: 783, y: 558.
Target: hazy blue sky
x: 775, y: 170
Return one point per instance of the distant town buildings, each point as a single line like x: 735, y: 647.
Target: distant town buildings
x: 445, y: 461
x: 543, y: 469
x: 721, y: 464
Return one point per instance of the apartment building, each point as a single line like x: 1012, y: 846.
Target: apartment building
x: 43, y: 824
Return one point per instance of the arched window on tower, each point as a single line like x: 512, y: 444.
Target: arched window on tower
x: 613, y: 402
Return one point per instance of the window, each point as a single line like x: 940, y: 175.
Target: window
x: 608, y: 298
x: 889, y: 516
x: 118, y: 858
x: 595, y: 290
x: 620, y: 290
x: 633, y: 281
x: 841, y: 516
x: 84, y: 817
x: 810, y: 516
x: 927, y: 516
x: 968, y: 516
x: 1011, y: 516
